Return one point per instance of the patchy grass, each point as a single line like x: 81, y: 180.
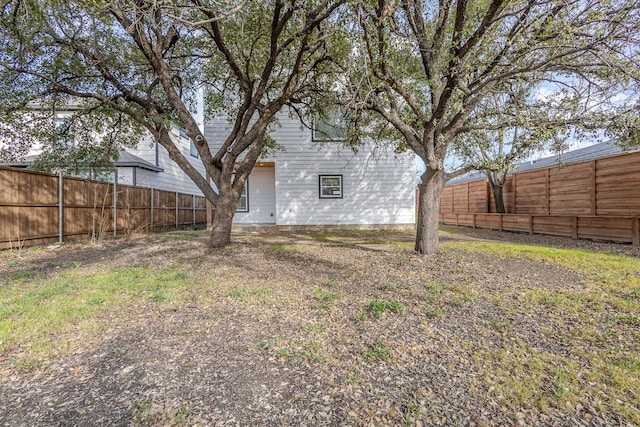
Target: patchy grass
x: 294, y: 311
x: 328, y: 283
x: 324, y: 298
x: 319, y: 236
x: 280, y: 246
x: 610, y: 269
x: 528, y: 378
x: 305, y: 349
x: 600, y: 317
x: 150, y: 412
x: 259, y: 294
x: 75, y: 301
x: 313, y: 327
x: 377, y: 351
x: 378, y: 307
x: 439, y: 295
x: 404, y: 246
x: 22, y: 275
x: 450, y: 230
x: 183, y: 235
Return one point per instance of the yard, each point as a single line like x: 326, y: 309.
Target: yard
x: 321, y: 329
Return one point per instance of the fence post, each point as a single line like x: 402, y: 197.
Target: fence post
x: 151, y: 225
x: 176, y: 210
x: 574, y: 230
x: 60, y: 207
x: 547, y: 186
x: 515, y: 200
x: 193, y: 205
x: 468, y: 210
x: 594, y: 171
x: 635, y: 232
x: 115, y: 213
x: 453, y: 204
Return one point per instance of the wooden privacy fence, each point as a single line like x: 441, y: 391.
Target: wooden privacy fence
x: 38, y: 208
x: 596, y: 199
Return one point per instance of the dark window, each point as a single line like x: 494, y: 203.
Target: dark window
x: 193, y: 149
x: 330, y: 126
x: 330, y: 186
x: 105, y: 175
x: 243, y: 203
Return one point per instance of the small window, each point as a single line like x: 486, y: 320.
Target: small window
x: 243, y: 203
x: 63, y: 132
x: 330, y: 186
x: 105, y: 175
x: 183, y: 133
x: 193, y: 149
x: 331, y: 126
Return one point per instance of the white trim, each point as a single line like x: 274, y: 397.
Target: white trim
x: 245, y: 196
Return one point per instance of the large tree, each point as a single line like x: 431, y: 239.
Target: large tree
x: 425, y: 70
x: 146, y: 60
x: 539, y: 119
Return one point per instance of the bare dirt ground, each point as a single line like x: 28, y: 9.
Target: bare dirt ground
x: 286, y: 337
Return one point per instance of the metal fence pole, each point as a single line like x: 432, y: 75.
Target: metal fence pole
x: 60, y: 207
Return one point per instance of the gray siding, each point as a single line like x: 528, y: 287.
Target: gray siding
x: 172, y: 178
x: 125, y: 175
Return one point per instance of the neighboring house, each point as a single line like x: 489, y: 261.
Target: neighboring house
x: 312, y: 182
x: 149, y: 165
x: 146, y: 165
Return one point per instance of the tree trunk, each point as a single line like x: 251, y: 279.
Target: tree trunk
x: 223, y: 219
x: 498, y: 198
x: 496, y: 186
x: 428, y: 211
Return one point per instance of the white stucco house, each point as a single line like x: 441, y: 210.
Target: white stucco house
x: 309, y: 182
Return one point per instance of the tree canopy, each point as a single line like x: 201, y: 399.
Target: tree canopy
x: 428, y: 75
x: 432, y: 74
x: 145, y: 61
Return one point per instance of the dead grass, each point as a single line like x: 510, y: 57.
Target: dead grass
x: 595, y: 322
x: 320, y: 328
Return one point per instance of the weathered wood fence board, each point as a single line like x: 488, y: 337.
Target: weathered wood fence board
x: 29, y: 208
x: 478, y: 196
x: 618, y: 229
x: 596, y: 199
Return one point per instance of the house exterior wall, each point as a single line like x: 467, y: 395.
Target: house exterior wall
x: 172, y: 178
x: 125, y: 175
x: 377, y: 183
x: 262, y: 198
